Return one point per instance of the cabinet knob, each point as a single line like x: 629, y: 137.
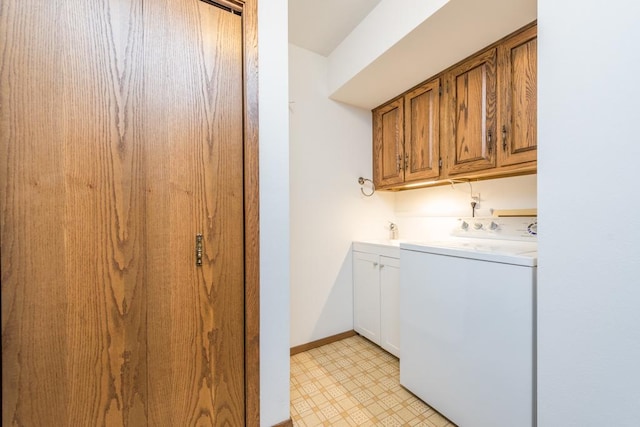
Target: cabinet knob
x: 375, y: 264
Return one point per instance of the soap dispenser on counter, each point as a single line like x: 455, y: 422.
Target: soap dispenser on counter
x: 393, y: 231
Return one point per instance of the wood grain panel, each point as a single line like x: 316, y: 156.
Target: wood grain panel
x: 104, y: 207
x: 194, y: 95
x: 391, y: 153
x: 472, y: 114
x: 34, y: 387
x: 252, y: 219
x: 422, y: 132
x: 519, y: 106
x: 79, y: 88
x: 471, y: 140
x: 388, y: 143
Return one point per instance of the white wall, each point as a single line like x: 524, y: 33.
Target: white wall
x: 589, y: 200
x: 274, y: 212
x: 430, y: 213
x: 330, y: 147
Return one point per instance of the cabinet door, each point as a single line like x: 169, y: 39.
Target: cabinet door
x: 518, y: 64
x: 388, y: 137
x: 390, y: 305
x: 422, y: 132
x: 471, y: 123
x: 366, y: 295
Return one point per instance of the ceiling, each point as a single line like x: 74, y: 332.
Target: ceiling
x: 320, y: 25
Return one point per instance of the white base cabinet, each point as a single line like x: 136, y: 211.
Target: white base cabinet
x: 376, y: 294
x: 390, y: 305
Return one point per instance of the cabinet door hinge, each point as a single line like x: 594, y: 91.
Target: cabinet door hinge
x: 440, y: 162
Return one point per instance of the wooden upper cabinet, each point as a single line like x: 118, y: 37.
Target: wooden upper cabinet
x: 517, y: 61
x: 475, y: 120
x: 471, y: 114
x: 422, y: 132
x: 388, y: 144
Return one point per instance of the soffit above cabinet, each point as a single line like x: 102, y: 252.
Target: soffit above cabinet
x: 321, y: 25
x: 403, y: 42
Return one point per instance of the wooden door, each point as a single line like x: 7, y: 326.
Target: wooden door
x: 120, y: 139
x: 518, y: 65
x: 471, y: 114
x: 195, y: 353
x: 388, y: 144
x: 422, y: 132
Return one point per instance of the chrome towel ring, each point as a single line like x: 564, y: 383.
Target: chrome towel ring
x: 362, y: 182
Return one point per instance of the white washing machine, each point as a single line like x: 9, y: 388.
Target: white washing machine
x: 468, y: 322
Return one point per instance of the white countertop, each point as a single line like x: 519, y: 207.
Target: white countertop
x: 390, y: 248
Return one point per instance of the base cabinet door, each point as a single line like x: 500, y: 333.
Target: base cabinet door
x: 366, y: 295
x: 390, y: 305
x: 376, y: 299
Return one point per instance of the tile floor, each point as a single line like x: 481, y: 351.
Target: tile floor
x: 353, y: 382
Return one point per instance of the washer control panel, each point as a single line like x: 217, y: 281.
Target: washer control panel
x: 508, y: 228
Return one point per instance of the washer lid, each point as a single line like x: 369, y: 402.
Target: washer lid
x: 502, y: 251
